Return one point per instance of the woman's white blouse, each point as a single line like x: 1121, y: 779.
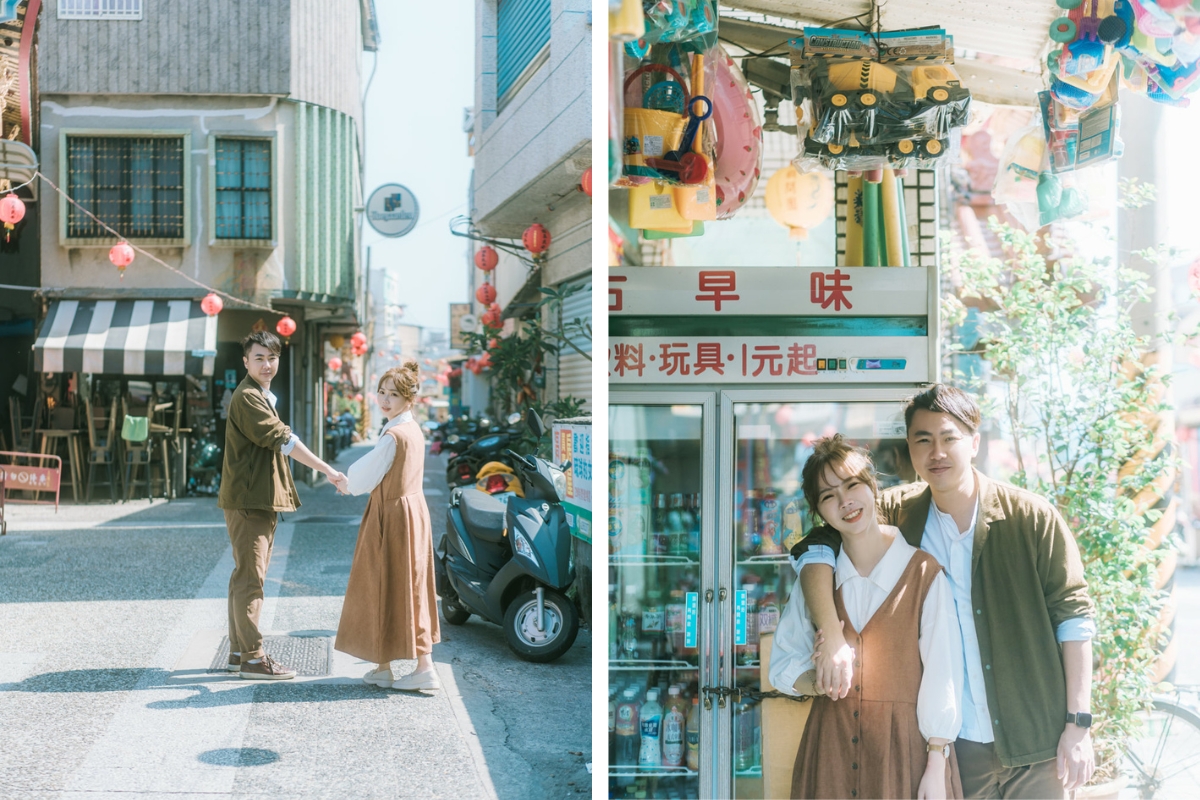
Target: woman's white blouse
x: 366, y: 473
x: 939, y: 706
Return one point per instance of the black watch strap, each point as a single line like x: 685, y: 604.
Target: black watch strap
x: 1082, y: 719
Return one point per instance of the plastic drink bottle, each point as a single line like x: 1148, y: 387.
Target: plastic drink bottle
x: 625, y: 732
x: 650, y: 721
x: 674, y: 723
x: 629, y: 624
x: 692, y: 736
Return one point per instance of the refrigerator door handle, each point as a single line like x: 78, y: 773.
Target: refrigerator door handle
x: 722, y: 594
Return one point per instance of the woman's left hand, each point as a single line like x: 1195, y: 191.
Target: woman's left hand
x: 933, y: 782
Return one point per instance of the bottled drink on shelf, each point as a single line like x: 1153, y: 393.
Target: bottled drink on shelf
x: 793, y: 523
x: 770, y: 524
x: 650, y: 722
x: 675, y: 623
x: 743, y: 737
x: 692, y: 522
x: 659, y: 544
x: 768, y: 613
x: 629, y: 625
x: 676, y: 527
x: 625, y: 732
x: 612, y: 723
x: 673, y: 730
x: 750, y: 535
x: 692, y: 735
x: 629, y: 502
x: 614, y: 629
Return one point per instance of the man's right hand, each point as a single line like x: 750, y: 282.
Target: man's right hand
x: 833, y: 660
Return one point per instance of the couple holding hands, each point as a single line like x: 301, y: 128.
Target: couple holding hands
x: 943, y: 627
x: 390, y: 609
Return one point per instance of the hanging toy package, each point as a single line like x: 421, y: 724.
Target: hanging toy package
x: 890, y: 99
x: 1081, y: 138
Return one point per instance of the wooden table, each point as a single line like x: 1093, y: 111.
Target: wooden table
x: 74, y: 454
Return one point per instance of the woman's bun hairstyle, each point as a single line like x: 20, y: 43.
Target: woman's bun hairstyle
x: 406, y: 378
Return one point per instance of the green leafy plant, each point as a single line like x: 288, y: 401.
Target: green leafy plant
x: 1078, y: 403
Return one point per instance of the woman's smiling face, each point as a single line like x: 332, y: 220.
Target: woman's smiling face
x: 390, y: 401
x: 845, y: 500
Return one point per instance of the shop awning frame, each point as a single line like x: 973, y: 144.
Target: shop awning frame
x: 127, y: 337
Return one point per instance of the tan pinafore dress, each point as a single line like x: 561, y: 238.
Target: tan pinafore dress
x: 390, y: 610
x: 868, y: 744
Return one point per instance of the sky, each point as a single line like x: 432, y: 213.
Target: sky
x: 423, y: 80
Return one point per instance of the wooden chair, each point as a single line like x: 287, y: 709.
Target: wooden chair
x: 22, y: 426
x: 102, y: 450
x: 137, y: 454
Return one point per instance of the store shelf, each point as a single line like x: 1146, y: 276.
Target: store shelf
x: 650, y: 664
x: 756, y: 666
x: 755, y: 772
x: 618, y: 560
x: 782, y: 558
x: 661, y: 772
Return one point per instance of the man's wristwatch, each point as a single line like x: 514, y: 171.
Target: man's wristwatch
x: 944, y: 749
x: 1081, y: 719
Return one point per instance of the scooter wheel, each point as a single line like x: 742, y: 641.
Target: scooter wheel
x: 561, y: 626
x: 453, y: 613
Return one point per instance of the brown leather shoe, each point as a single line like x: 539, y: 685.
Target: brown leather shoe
x: 235, y: 662
x: 266, y: 670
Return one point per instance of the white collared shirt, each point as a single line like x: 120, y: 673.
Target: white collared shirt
x: 366, y: 473
x: 292, y: 441
x: 938, y: 709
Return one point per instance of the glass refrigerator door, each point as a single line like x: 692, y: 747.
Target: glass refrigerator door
x: 769, y: 515
x: 656, y: 522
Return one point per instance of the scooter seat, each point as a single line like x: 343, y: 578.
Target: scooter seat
x: 483, y: 515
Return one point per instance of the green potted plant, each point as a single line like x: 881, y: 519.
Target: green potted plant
x: 1066, y: 378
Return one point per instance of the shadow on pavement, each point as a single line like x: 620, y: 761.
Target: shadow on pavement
x: 80, y: 680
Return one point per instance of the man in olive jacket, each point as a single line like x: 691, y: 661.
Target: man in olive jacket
x: 1021, y: 601
x: 256, y: 485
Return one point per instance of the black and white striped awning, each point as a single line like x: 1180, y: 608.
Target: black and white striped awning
x: 127, y: 337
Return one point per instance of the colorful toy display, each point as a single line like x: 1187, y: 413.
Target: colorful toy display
x: 738, y: 131
x: 876, y: 224
x: 876, y: 100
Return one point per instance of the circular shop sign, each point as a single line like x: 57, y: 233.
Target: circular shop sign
x: 393, y: 210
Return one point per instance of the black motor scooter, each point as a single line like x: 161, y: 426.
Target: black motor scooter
x: 492, y: 445
x: 510, y: 563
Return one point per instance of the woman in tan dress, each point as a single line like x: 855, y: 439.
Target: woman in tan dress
x: 892, y: 736
x: 390, y: 610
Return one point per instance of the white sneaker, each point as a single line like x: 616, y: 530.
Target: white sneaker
x: 415, y: 681
x: 381, y: 678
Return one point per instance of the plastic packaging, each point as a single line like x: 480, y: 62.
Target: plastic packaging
x: 738, y: 134
x: 877, y: 100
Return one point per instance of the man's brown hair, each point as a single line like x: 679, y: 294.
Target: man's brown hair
x: 835, y: 453
x: 264, y: 338
x: 943, y: 399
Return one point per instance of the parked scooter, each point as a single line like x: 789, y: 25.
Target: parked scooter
x: 491, y: 445
x: 510, y: 563
x: 205, y: 462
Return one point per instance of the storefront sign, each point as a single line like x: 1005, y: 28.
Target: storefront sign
x: 691, y: 617
x: 739, y: 617
x: 826, y: 291
x: 392, y: 210
x: 573, y: 443
x: 768, y: 359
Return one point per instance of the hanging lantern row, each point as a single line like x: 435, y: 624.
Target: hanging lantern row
x: 486, y: 258
x: 536, y: 239
x: 486, y: 294
x: 121, y: 255
x: 211, y: 304
x: 358, y: 343
x: 285, y: 327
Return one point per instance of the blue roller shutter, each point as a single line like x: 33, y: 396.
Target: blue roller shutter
x: 522, y: 30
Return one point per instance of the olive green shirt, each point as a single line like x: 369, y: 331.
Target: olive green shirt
x: 1026, y: 579
x: 256, y: 473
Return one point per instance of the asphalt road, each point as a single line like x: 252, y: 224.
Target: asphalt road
x: 110, y: 620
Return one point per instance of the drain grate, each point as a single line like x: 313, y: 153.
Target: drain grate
x: 308, y: 655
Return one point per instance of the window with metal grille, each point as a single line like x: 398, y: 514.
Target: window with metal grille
x: 522, y: 31
x: 133, y: 184
x: 243, y: 184
x: 99, y: 9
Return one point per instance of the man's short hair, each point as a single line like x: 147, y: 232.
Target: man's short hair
x: 264, y: 338
x: 943, y: 399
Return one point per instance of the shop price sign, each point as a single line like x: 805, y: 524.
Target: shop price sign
x: 759, y: 291
x: 691, y: 619
x: 739, y: 617
x: 573, y: 444
x: 767, y: 359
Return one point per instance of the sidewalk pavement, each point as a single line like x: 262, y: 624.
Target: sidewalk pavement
x: 111, y: 620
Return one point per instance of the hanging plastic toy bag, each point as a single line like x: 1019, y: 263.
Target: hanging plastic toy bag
x: 877, y: 100
x: 1076, y: 139
x: 676, y: 21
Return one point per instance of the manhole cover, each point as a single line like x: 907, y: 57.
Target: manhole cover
x: 331, y: 520
x: 307, y: 655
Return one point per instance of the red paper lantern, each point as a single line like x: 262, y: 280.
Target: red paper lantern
x: 12, y: 210
x: 358, y: 339
x: 358, y: 397
x: 536, y: 238
x: 286, y: 327
x: 486, y: 294
x: 211, y: 305
x: 486, y: 258
x: 121, y: 255
x: 585, y: 182
x: 335, y: 363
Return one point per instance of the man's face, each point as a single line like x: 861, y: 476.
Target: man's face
x: 261, y: 363
x: 941, y: 449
